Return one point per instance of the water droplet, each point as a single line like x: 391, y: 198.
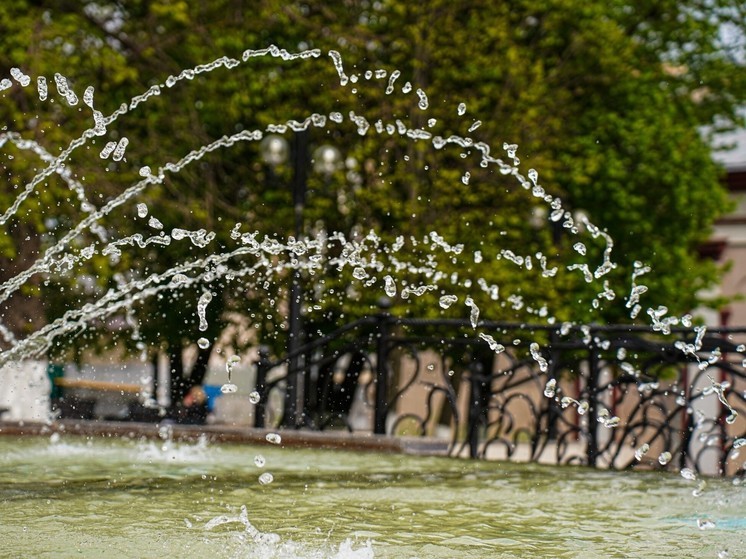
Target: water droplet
x: 738, y: 443
x: 266, y: 478
x: 145, y: 171
x: 142, y: 210
x: 228, y: 388
x: 461, y: 110
x: 41, y: 86
x: 389, y: 286
x: 642, y: 451
x: 664, y: 458
x: 259, y: 461
x: 705, y: 524
x: 88, y: 96
x: 359, y: 273
x: 447, y: 300
x: 473, y: 313
x: 423, y: 103
x: 202, y: 303
x: 20, y: 77
x: 731, y: 419
x: 466, y: 177
x: 612, y: 422
x: 203, y: 343
x: 255, y: 397
x: 108, y: 149
x: 494, y: 345
x: 477, y: 124
x: 688, y: 474
x: 118, y: 154
x: 550, y: 388
x: 273, y: 438
x: 697, y: 491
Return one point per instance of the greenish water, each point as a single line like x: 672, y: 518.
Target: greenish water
x: 74, y: 497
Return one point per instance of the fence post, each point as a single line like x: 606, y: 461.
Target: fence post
x: 477, y: 408
x: 380, y: 411
x: 592, y: 390
x: 262, y: 368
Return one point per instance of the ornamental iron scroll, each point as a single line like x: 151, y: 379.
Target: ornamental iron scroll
x: 618, y: 397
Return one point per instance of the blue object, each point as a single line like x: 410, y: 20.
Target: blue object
x: 212, y: 393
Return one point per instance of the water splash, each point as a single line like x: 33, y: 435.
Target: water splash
x: 267, y: 257
x: 243, y: 518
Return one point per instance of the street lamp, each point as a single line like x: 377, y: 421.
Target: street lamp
x: 327, y: 159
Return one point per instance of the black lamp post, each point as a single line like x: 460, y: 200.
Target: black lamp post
x: 326, y: 161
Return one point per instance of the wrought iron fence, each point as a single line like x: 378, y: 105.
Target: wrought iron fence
x: 619, y: 397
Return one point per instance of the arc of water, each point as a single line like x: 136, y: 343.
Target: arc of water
x: 318, y: 120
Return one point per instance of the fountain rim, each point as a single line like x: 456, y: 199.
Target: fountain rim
x: 218, y: 434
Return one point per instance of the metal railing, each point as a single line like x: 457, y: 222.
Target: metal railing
x: 618, y: 397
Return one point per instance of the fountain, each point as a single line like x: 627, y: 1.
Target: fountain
x: 403, y: 508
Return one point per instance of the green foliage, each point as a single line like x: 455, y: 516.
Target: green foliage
x: 605, y: 99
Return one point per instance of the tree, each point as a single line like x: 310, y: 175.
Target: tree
x: 606, y: 101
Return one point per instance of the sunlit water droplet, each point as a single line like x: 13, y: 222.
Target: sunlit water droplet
x: 259, y: 461
x: 118, y: 154
x: 266, y: 478
x: 494, y: 345
x: 447, y: 300
x: 202, y: 303
x: 705, y: 524
x: 273, y: 438
x: 642, y: 451
x: 461, y: 110
x: 697, y: 491
x: 688, y: 474
x: 203, y: 343
x: 473, y: 313
x: 550, y: 388
x: 142, y: 210
x: 41, y: 86
x: 228, y: 388
x: 389, y: 286
x: 359, y: 273
x: 664, y: 458
x: 611, y: 422
x: 255, y: 397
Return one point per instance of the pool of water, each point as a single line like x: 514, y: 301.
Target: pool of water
x: 75, y: 497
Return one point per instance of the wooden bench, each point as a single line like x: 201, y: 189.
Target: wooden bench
x: 98, y: 385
